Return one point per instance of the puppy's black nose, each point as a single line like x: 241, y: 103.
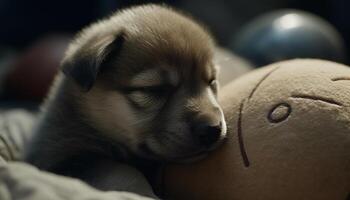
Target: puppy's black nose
x: 208, y: 135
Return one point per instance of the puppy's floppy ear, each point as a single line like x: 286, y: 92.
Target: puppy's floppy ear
x: 86, y: 57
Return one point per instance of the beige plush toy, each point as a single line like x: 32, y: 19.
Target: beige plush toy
x: 289, y: 138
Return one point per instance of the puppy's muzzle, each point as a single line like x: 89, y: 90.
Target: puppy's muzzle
x: 208, y: 129
x: 206, y: 134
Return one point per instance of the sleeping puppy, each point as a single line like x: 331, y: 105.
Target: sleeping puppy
x: 140, y: 85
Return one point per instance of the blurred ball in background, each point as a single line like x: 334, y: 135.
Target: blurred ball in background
x: 33, y: 71
x: 287, y: 34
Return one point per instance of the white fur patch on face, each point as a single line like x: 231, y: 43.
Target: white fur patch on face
x: 215, y: 103
x: 216, y: 69
x: 223, y: 124
x: 212, y: 98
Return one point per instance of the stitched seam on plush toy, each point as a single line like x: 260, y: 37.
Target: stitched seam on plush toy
x: 240, y: 137
x: 341, y: 79
x: 261, y: 81
x: 317, y: 98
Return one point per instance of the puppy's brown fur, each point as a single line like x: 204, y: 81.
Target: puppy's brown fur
x: 140, y: 84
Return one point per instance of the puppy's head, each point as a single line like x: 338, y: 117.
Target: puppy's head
x: 145, y: 79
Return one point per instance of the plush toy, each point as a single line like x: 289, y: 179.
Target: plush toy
x: 289, y: 138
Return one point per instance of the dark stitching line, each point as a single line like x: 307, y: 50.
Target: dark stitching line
x: 240, y: 138
x: 239, y: 126
x: 341, y: 79
x: 260, y: 82
x: 316, y: 98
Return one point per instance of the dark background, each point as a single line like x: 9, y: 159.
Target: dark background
x: 34, y: 34
x: 24, y: 21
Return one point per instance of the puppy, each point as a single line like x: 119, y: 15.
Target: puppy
x: 140, y: 85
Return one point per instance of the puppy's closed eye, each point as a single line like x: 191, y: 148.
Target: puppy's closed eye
x: 142, y: 99
x: 149, y: 96
x: 156, y: 90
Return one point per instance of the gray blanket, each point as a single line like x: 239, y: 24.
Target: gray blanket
x: 22, y: 181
